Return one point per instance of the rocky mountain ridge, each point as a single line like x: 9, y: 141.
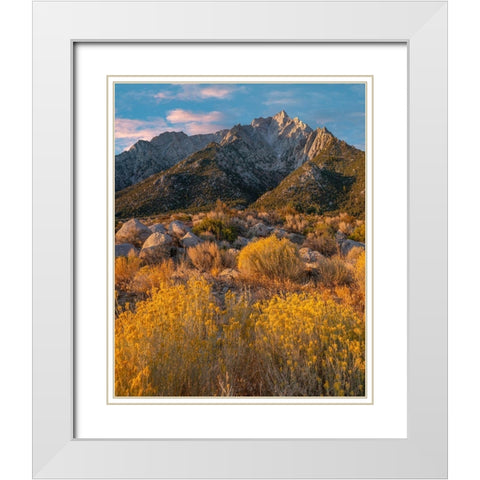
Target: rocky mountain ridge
x: 270, y: 161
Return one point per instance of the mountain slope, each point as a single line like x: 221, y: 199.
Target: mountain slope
x: 198, y: 181
x: 333, y: 179
x: 163, y: 151
x: 273, y: 162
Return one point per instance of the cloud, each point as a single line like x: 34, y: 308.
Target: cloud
x: 216, y: 92
x: 194, y: 123
x: 197, y: 92
x: 278, y: 97
x: 197, y: 128
x: 163, y: 96
x: 128, y: 130
x: 186, y: 116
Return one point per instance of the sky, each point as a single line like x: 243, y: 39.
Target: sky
x: 143, y: 111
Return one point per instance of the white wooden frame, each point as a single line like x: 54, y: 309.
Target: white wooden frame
x: 57, y: 26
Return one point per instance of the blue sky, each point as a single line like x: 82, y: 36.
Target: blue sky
x: 145, y: 110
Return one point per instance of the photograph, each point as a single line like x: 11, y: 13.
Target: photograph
x: 240, y: 239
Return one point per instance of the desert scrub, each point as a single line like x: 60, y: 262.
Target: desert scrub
x: 271, y: 258
x: 308, y: 346
x: 358, y: 233
x: 152, y: 276
x: 167, y: 346
x: 125, y: 270
x: 296, y: 223
x: 219, y: 228
x: 238, y: 361
x: 322, y: 243
x: 334, y: 271
x: 208, y: 257
x: 359, y: 271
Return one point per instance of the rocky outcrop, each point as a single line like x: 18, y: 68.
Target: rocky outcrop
x: 296, y: 238
x: 260, y: 230
x: 178, y: 229
x: 345, y: 244
x: 157, y: 247
x: 348, y: 244
x: 134, y: 232
x: 125, y: 250
x: 310, y: 256
x: 158, y: 228
x: 189, y: 240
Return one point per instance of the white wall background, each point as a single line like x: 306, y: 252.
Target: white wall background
x: 15, y: 238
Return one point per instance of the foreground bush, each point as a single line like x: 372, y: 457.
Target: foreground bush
x: 310, y: 347
x: 180, y: 343
x: 167, y: 345
x: 271, y: 258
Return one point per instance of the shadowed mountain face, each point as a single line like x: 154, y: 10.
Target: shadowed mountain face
x: 274, y: 161
x: 160, y: 153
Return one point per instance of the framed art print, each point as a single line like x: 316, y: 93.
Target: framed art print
x: 240, y: 212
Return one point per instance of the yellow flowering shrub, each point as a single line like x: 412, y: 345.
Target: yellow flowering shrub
x: 271, y: 257
x: 182, y: 340
x: 166, y: 346
x: 309, y: 346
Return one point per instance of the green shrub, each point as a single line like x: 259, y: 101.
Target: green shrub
x: 221, y: 229
x: 358, y: 234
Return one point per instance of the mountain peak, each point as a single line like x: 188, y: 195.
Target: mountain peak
x: 324, y: 130
x: 282, y: 115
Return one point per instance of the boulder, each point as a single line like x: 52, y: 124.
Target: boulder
x: 189, y: 240
x: 158, y: 239
x: 310, y: 256
x: 316, y: 256
x: 340, y: 237
x: 345, y: 244
x: 280, y: 232
x: 178, y: 229
x: 296, y: 238
x: 125, y: 249
x: 260, y: 230
x: 158, y: 228
x: 134, y: 232
x: 348, y: 244
x: 157, y: 247
x: 240, y: 242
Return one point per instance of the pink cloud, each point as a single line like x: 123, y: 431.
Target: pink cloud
x: 216, y: 92
x: 130, y: 130
x: 163, y: 96
x: 185, y: 116
x: 197, y: 128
